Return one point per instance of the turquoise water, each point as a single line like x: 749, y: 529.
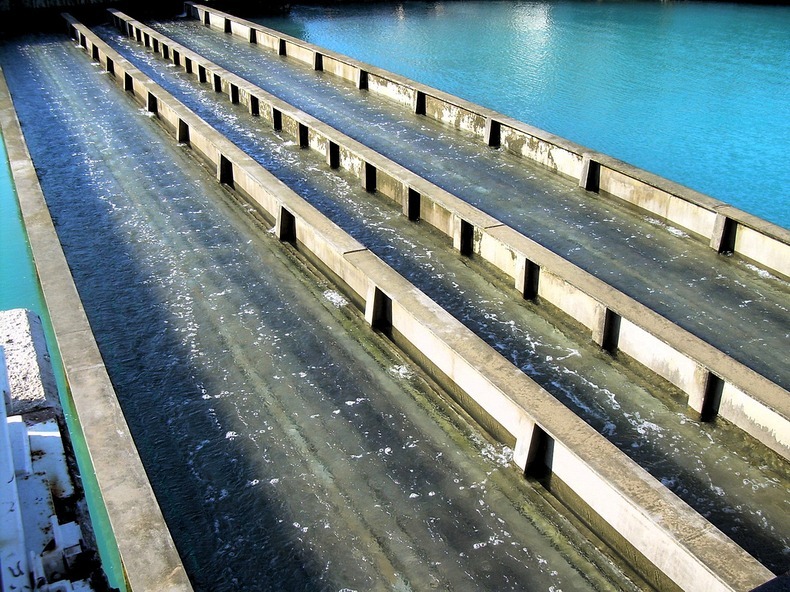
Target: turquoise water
x: 19, y: 288
x: 695, y: 92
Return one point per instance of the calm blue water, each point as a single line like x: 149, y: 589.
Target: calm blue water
x: 696, y: 92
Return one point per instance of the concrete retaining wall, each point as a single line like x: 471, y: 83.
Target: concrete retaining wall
x: 662, y: 347
x: 146, y: 549
x: 677, y: 542
x: 724, y: 227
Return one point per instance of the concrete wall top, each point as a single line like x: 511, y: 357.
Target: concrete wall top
x: 517, y: 402
x: 695, y: 218
x: 147, y: 552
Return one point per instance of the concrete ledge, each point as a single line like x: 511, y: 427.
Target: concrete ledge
x: 675, y: 539
x: 760, y: 241
x: 146, y: 549
x: 762, y: 409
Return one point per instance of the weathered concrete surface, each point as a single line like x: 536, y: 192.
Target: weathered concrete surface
x: 30, y: 374
x: 146, y: 549
x: 760, y: 241
x: 751, y: 402
x: 676, y: 540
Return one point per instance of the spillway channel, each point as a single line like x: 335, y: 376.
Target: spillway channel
x: 288, y: 446
x: 633, y: 252
x: 739, y: 486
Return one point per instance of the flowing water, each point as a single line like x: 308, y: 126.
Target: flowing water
x: 288, y: 446
x: 714, y: 468
x: 658, y: 265
x: 695, y: 92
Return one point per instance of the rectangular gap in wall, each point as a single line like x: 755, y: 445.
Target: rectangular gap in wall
x: 419, y: 103
x: 286, y: 226
x: 304, y: 136
x: 277, y: 119
x: 138, y: 35
x: 228, y: 28
x: 466, y: 246
x: 531, y: 280
x: 611, y: 331
x: 110, y: 66
x: 217, y: 83
x: 156, y: 45
x: 255, y: 106
x: 152, y: 104
x: 714, y: 387
x: 281, y: 47
x: 590, y: 178
x: 362, y: 80
x: 318, y: 61
x: 201, y: 74
x: 182, y: 133
x: 541, y: 456
x: 128, y: 82
x: 253, y: 36
x: 146, y: 40
x: 225, y: 170
x: 176, y: 58
x: 493, y: 132
x: 187, y: 65
x: 369, y: 178
x: 95, y: 52
x: 206, y: 18
x: 724, y: 232
x: 333, y: 156
x: 83, y: 41
x: 378, y: 311
x: 413, y: 199
x: 165, y: 51
x: 234, y: 94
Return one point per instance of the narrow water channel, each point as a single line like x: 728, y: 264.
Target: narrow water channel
x: 739, y: 486
x: 684, y: 280
x: 287, y: 445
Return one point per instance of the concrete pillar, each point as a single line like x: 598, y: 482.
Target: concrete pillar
x: 285, y: 226
x: 590, y: 176
x: 411, y: 207
x: 702, y: 389
x: 378, y: 309
x: 492, y: 132
x: 722, y: 239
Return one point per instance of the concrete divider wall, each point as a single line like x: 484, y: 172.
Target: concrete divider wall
x: 649, y: 339
x: 148, y: 555
x: 665, y: 531
x: 717, y: 222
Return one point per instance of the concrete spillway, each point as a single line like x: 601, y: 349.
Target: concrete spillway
x: 641, y: 417
x: 225, y: 389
